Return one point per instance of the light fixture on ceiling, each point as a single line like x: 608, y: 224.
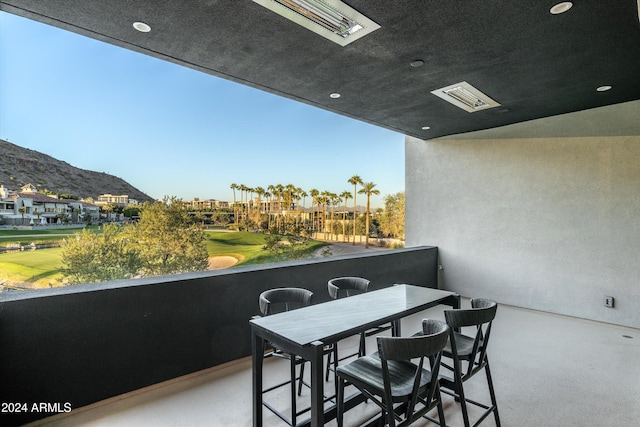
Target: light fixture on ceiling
x: 142, y: 27
x: 426, y: 127
x: 417, y: 63
x: 561, y: 8
x: 465, y: 96
x: 604, y: 88
x: 332, y: 19
x: 335, y: 95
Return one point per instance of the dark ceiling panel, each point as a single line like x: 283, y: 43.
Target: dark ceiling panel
x: 532, y: 62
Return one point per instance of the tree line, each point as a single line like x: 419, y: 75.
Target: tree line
x: 167, y: 239
x: 282, y: 213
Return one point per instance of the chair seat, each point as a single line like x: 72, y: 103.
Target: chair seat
x: 464, y: 345
x: 366, y: 372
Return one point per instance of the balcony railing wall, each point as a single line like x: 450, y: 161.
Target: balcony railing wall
x: 86, y: 343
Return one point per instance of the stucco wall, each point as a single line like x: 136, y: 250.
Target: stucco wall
x: 550, y: 224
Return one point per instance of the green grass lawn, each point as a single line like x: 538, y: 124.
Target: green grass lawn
x: 43, y: 230
x: 37, y: 236
x: 42, y: 266
x: 246, y: 247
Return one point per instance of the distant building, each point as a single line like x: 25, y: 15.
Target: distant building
x: 28, y: 207
x: 122, y: 200
x: 204, y: 205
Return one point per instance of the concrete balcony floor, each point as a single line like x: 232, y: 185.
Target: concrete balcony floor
x: 548, y: 370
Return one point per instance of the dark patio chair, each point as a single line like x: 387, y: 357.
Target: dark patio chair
x: 393, y: 382
x: 276, y: 301
x: 342, y: 287
x: 472, y: 351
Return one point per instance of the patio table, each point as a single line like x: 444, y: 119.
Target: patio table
x: 307, y: 330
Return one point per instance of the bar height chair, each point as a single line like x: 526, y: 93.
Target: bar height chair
x: 275, y: 301
x: 473, y: 351
x: 341, y: 287
x: 396, y: 384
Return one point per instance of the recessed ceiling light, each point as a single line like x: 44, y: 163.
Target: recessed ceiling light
x: 417, y: 63
x: 426, y: 127
x: 142, y: 27
x: 603, y: 88
x: 561, y: 8
x: 334, y: 95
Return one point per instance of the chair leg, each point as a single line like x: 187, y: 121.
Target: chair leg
x: 293, y: 389
x: 460, y: 391
x: 326, y: 375
x: 388, y: 412
x: 494, y: 402
x: 440, y: 407
x: 362, y: 349
x: 335, y: 369
x: 301, y: 378
x: 340, y: 402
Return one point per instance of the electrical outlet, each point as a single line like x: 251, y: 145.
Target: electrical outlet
x: 608, y: 301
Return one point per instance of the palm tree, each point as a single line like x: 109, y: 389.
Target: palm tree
x: 250, y: 192
x: 303, y: 195
x: 288, y: 196
x: 300, y: 194
x: 314, y: 198
x: 273, y: 190
x: 260, y: 192
x: 242, y: 189
x: 354, y: 180
x: 324, y: 199
x: 267, y: 195
x: 22, y: 210
x: 234, y: 187
x: 279, y: 188
x: 334, y: 199
x: 346, y: 195
x: 245, y: 197
x: 368, y: 188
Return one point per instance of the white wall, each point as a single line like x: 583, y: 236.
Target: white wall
x: 549, y: 223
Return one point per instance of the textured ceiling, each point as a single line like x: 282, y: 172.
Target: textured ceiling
x: 533, y: 63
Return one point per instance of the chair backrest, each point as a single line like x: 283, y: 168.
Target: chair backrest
x: 347, y: 286
x: 428, y: 345
x: 284, y: 299
x: 432, y: 340
x: 481, y: 315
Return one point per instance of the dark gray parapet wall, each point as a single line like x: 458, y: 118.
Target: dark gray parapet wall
x: 85, y: 343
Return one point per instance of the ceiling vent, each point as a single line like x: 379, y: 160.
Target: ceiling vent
x: 465, y: 96
x: 332, y: 19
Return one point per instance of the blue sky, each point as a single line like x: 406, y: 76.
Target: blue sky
x: 170, y: 130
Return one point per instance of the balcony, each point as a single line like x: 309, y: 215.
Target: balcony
x: 533, y: 205
x: 87, y: 343
x: 548, y: 370
x: 174, y: 350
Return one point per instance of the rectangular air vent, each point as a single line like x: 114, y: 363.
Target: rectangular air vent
x: 332, y: 19
x: 465, y: 96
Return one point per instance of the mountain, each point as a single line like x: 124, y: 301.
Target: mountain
x: 20, y: 166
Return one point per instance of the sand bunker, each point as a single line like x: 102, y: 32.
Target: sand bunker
x: 218, y: 262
